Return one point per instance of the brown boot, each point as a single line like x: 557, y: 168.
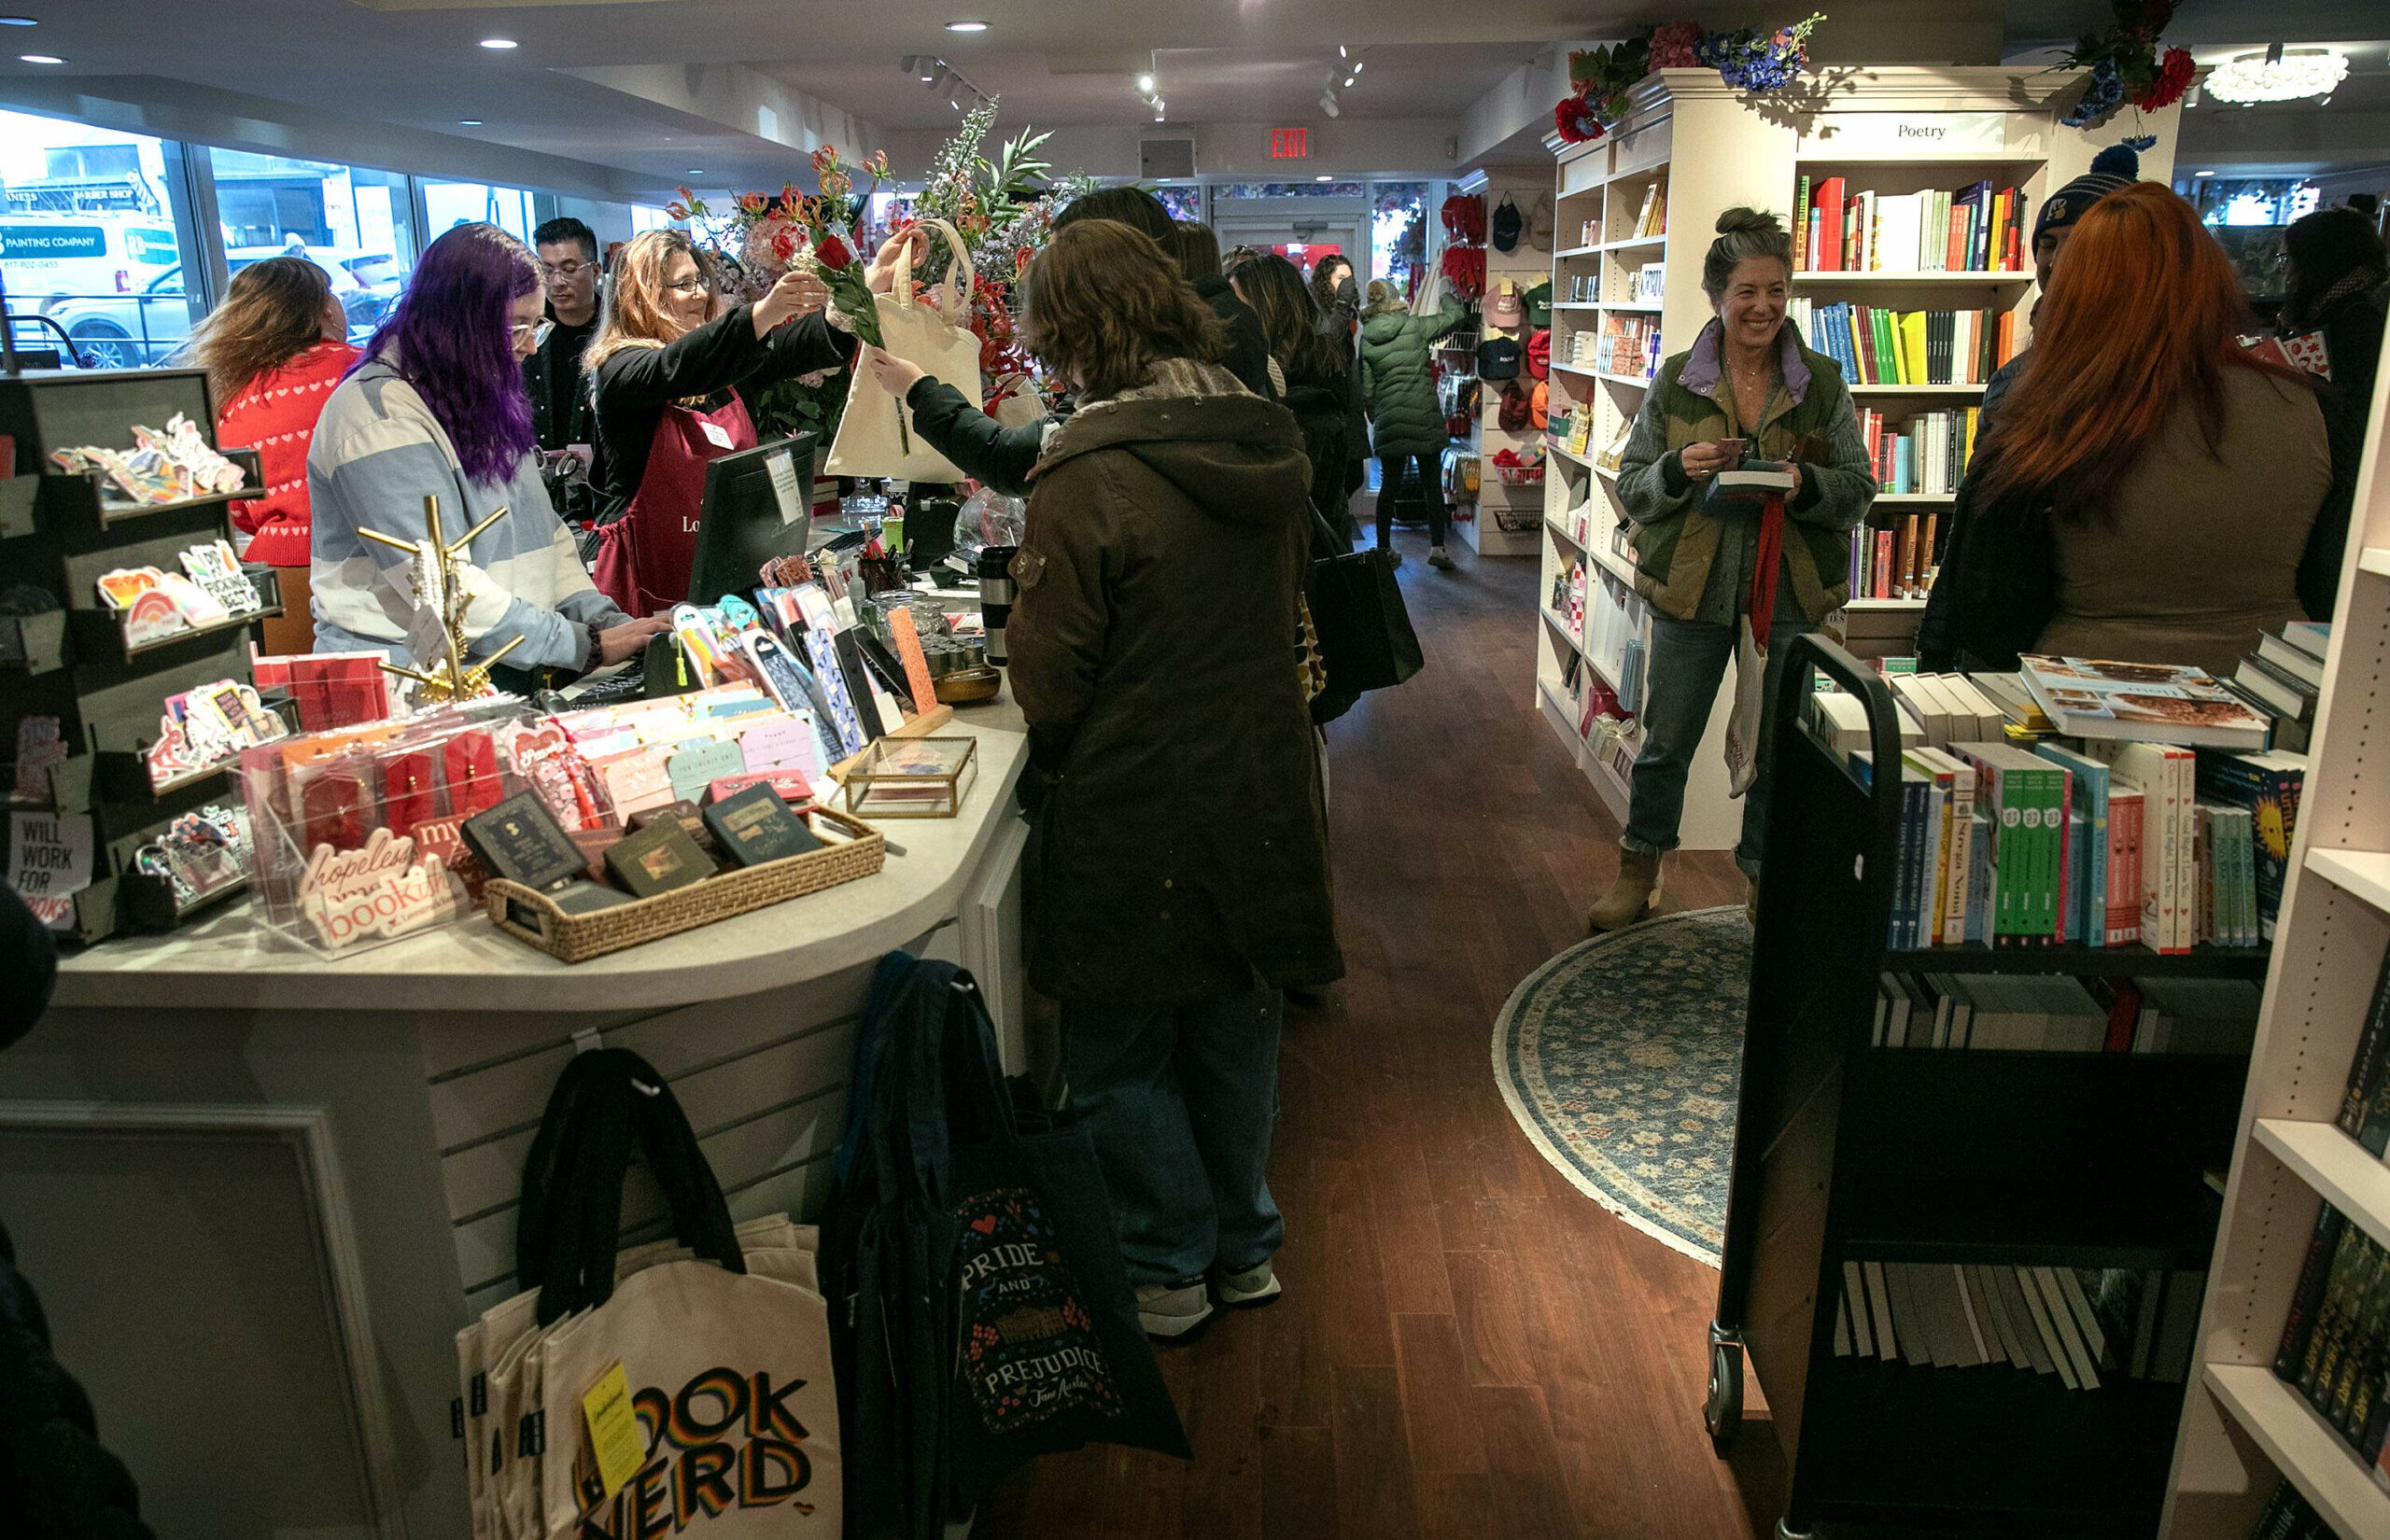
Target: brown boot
x: 1632, y: 896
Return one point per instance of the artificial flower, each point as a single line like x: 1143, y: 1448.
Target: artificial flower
x: 832, y: 253
x: 1576, y: 121
x: 2175, y: 73
x: 1673, y: 46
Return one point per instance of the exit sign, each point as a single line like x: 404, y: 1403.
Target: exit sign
x: 1289, y: 144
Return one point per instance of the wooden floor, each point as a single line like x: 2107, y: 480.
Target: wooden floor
x: 1468, y: 1346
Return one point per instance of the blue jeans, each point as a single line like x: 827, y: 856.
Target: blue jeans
x: 1181, y: 1101
x: 1689, y: 661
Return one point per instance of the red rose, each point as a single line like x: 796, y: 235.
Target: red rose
x: 833, y: 254
x: 1576, y: 121
x: 2174, y: 78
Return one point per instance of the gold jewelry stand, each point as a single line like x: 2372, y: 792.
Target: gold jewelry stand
x: 433, y: 562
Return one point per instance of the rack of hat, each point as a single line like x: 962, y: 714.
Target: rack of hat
x: 121, y: 598
x: 1636, y: 212
x: 2293, y: 1385
x: 1504, y: 438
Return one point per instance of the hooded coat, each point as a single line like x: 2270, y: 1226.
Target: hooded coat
x: 1398, y: 382
x: 1178, y: 848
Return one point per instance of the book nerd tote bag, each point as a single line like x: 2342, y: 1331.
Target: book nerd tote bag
x: 876, y: 435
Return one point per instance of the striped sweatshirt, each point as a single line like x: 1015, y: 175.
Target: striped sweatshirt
x: 378, y: 453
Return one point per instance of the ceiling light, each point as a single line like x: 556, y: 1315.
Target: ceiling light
x: 1145, y: 82
x: 1350, y: 81
x: 41, y: 59
x: 697, y: 171
x: 966, y: 26
x: 18, y: 22
x: 1343, y: 52
x: 1323, y: 176
x: 2202, y: 173
x: 469, y: 123
x: 497, y: 42
x: 2278, y: 76
x: 1359, y: 64
x: 1327, y: 102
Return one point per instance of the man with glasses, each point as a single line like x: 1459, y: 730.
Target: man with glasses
x: 561, y: 415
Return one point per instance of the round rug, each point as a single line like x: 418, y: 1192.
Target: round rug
x: 1621, y: 1057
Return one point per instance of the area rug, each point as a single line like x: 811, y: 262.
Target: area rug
x: 1620, y: 1057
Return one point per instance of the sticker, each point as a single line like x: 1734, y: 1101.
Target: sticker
x: 152, y: 617
x: 39, y: 746
x: 49, y: 854
x: 716, y: 434
x: 614, y: 1439
x: 379, y: 890
x: 125, y: 584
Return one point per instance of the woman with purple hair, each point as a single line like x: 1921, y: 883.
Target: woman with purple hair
x: 437, y: 408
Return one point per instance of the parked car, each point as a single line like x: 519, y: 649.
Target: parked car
x: 125, y: 330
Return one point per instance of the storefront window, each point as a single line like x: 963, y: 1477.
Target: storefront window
x: 349, y: 221
x: 1399, y: 231
x: 645, y: 216
x: 448, y: 204
x: 94, y: 229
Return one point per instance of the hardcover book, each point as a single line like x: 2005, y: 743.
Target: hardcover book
x: 2139, y: 702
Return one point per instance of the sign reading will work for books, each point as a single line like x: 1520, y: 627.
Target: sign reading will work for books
x: 1875, y: 132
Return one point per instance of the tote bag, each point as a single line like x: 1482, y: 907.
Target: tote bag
x: 1364, y: 627
x: 939, y: 340
x: 1746, y: 717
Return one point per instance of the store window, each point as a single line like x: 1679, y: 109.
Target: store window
x: 94, y: 241
x: 448, y: 204
x: 645, y: 216
x: 1399, y: 232
x: 351, y: 221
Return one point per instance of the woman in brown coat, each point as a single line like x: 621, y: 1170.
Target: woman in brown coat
x: 1178, y: 864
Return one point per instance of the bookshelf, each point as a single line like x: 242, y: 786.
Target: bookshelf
x: 2242, y: 1427
x: 1705, y: 147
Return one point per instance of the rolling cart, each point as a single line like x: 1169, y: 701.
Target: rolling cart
x: 1848, y: 1151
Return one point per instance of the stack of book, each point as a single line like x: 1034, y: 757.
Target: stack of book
x: 1630, y: 345
x: 2289, y: 1516
x: 1974, y: 229
x: 1896, y: 562
x: 2082, y: 1325
x: 1930, y: 456
x: 1878, y: 346
x: 2365, y: 1108
x: 2285, y: 675
x: 2060, y: 1013
x: 1653, y: 219
x: 2336, y: 1339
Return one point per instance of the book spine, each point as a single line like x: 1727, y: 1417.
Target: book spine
x: 1801, y: 225
x: 2125, y: 893
x: 2365, y: 1068
x: 2091, y: 792
x: 2186, y: 849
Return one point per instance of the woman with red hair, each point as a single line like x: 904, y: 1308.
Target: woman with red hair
x: 2149, y: 487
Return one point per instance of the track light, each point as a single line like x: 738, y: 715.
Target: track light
x: 1145, y: 83
x: 1350, y: 81
x: 1343, y: 52
x: 1327, y: 102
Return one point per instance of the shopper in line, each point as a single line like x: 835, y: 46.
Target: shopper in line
x: 274, y: 352
x: 436, y: 408
x: 1318, y: 386
x: 2111, y: 170
x: 1747, y: 387
x: 1198, y: 251
x: 1400, y: 389
x: 671, y: 394
x: 1178, y: 864
x: 1337, y: 296
x: 2338, y: 292
x: 2150, y: 487
x: 563, y: 420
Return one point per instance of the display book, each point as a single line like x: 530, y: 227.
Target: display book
x: 1881, y: 346
x: 2015, y: 833
x: 125, y: 630
x: 1970, y: 228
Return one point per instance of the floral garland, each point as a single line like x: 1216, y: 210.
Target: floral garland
x: 1747, y: 59
x: 2127, y: 68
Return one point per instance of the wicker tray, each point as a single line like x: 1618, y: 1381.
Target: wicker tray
x: 530, y: 917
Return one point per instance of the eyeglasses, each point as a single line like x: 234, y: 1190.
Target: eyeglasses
x: 689, y: 289
x: 534, y: 333
x: 567, y: 270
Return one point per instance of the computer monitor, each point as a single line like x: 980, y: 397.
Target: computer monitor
x: 758, y: 505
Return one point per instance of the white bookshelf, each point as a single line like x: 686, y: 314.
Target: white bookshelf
x: 2242, y: 1427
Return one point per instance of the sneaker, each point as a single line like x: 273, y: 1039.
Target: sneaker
x: 1439, y: 557
x: 1171, y: 1310
x: 1253, y: 1286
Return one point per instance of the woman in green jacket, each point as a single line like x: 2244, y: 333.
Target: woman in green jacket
x: 1746, y: 385
x: 1401, y: 396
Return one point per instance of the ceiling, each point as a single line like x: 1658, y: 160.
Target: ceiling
x: 631, y: 97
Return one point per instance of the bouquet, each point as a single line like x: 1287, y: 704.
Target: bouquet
x: 2126, y: 66
x: 834, y: 223
x: 1759, y: 62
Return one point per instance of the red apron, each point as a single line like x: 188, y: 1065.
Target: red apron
x: 643, y: 557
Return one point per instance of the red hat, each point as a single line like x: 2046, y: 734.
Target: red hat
x: 1540, y: 353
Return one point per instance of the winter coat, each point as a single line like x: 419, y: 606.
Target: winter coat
x: 1319, y: 404
x: 979, y: 446
x: 1809, y: 419
x: 1396, y: 381
x: 2351, y: 326
x: 1342, y: 324
x: 1245, y: 355
x: 1179, y: 845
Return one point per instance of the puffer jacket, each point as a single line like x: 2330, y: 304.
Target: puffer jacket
x: 1178, y: 847
x: 1396, y: 379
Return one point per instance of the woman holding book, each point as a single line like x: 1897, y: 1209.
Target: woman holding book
x: 2147, y: 490
x: 1746, y: 389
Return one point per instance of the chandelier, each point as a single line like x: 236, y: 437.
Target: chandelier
x: 2278, y: 76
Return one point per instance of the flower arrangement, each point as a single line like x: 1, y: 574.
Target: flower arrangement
x: 2127, y: 66
x: 834, y: 222
x: 1602, y: 76
x: 1759, y: 62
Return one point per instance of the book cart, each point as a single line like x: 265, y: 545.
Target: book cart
x: 58, y: 535
x: 1847, y: 1151
x: 2242, y: 1428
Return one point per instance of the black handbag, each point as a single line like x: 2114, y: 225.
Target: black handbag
x: 1365, y: 636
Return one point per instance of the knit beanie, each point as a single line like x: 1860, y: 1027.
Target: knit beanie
x: 2113, y: 168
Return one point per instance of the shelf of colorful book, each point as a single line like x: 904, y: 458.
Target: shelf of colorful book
x: 1903, y: 499
x: 1978, y: 1446
x: 1916, y: 390
x: 1880, y: 277
x: 2302, y: 1447
x: 1920, y: 158
x: 2350, y: 1177
x: 2362, y: 874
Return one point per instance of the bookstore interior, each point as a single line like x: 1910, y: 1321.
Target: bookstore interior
x: 643, y: 667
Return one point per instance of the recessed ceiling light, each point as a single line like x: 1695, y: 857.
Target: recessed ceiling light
x: 1145, y: 82
x: 1323, y: 176
x: 697, y: 171
x: 966, y: 26
x: 41, y: 59
x: 497, y: 42
x: 469, y: 123
x: 1343, y: 52
x: 18, y: 22
x: 2202, y: 173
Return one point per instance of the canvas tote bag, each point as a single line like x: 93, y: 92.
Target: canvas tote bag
x: 1743, y: 722
x: 939, y: 340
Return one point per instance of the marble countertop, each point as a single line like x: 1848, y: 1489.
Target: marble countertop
x: 229, y: 961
